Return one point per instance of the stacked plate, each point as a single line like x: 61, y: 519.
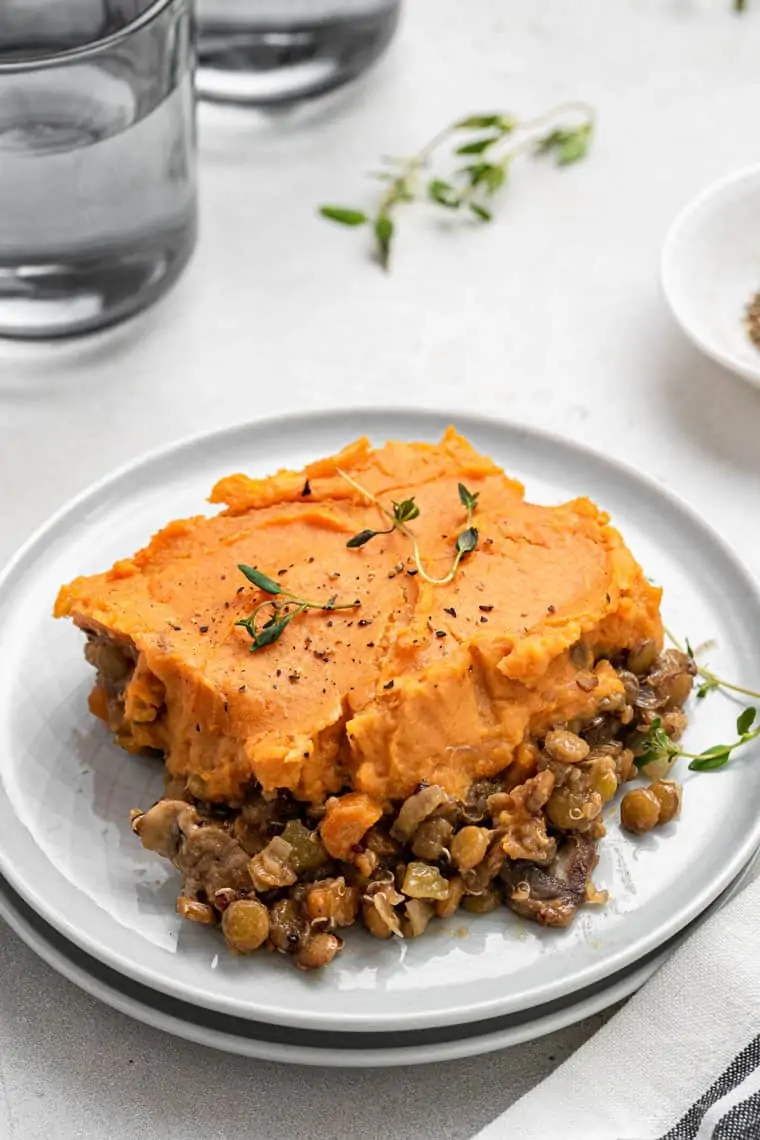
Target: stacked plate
x: 88, y: 898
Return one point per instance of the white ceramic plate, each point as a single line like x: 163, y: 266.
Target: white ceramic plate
x: 66, y: 791
x: 297, y: 1046
x: 307, y: 1047
x: 710, y: 269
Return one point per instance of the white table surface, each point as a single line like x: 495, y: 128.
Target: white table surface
x: 552, y: 316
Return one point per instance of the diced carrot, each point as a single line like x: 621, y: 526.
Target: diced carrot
x: 347, y: 819
x: 98, y: 702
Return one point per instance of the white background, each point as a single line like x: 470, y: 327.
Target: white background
x: 552, y: 316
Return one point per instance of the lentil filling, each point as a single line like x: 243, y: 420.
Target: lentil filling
x: 260, y: 868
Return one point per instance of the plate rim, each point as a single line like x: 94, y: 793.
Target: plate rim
x: 469, y: 422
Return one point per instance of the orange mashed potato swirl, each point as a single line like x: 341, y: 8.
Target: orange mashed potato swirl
x: 443, y: 684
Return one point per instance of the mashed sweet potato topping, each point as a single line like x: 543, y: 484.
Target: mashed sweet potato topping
x: 442, y: 684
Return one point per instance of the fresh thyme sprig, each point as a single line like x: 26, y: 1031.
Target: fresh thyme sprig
x: 407, y: 510
x: 485, y: 171
x: 281, y: 615
x: 468, y: 539
x: 711, y: 680
x: 657, y: 744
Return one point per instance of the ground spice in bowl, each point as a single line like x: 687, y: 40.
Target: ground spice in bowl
x: 752, y: 319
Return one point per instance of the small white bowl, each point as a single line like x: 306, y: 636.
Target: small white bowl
x: 710, y: 269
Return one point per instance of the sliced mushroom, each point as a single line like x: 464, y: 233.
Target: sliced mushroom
x: 418, y: 807
x: 164, y: 826
x: 550, y: 896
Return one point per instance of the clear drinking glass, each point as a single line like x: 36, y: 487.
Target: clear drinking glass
x: 274, y: 52
x: 97, y: 159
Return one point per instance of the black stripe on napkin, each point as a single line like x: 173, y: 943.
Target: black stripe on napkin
x: 742, y: 1122
x: 746, y: 1114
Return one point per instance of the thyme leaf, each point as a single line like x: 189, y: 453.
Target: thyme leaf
x: 272, y: 630
x: 480, y: 212
x: 344, y: 216
x: 383, y: 233
x: 364, y: 537
x: 567, y: 146
x: 268, y: 585
x: 467, y: 540
x: 405, y: 511
x: 443, y: 193
x: 478, y: 146
x: 468, y: 500
x: 745, y: 720
x: 505, y: 123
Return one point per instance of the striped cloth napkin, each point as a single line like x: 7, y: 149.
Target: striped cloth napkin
x: 681, y: 1061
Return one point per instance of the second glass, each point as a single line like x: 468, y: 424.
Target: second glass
x: 274, y: 52
x: 97, y: 159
